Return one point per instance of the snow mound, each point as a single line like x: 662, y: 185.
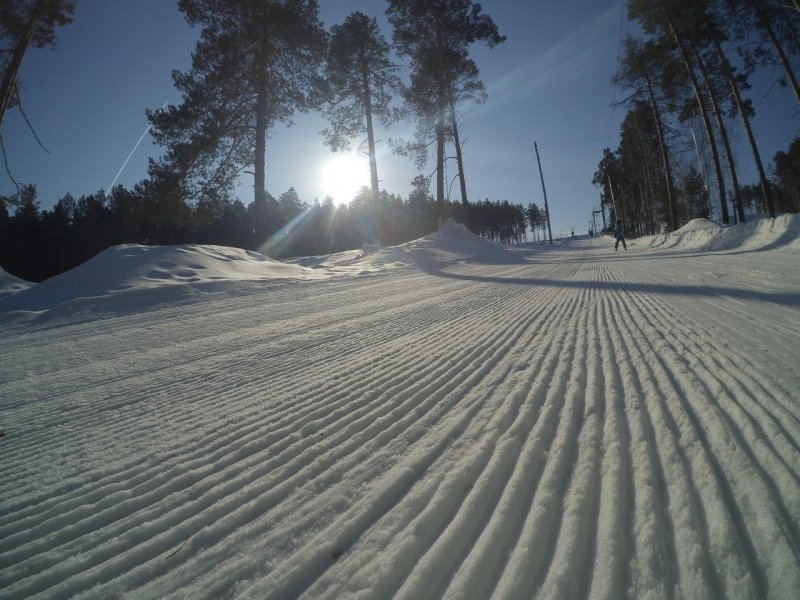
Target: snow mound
x: 700, y: 225
x: 454, y: 243
x: 11, y: 285
x: 131, y: 268
x: 702, y: 234
x: 694, y: 235
x: 129, y: 277
x: 368, y: 260
x: 760, y: 234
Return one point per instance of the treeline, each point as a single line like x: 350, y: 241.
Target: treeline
x: 257, y: 63
x: 36, y: 244
x: 688, y: 83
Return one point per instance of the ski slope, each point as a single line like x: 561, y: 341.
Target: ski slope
x: 448, y: 418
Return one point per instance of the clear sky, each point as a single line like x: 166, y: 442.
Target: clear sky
x: 549, y: 83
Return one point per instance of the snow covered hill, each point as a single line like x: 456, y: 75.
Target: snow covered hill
x: 11, y: 285
x: 445, y: 418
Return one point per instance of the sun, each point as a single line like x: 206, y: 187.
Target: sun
x: 343, y: 176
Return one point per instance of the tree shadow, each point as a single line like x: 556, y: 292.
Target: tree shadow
x: 437, y: 269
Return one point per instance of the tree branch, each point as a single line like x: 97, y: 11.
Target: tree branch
x: 25, y: 116
x: 5, y: 161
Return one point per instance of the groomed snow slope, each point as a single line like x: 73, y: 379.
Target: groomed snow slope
x: 446, y: 418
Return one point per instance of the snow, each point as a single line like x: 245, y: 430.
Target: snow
x: 444, y: 418
x: 131, y: 268
x: 701, y: 225
x: 703, y: 234
x: 10, y: 284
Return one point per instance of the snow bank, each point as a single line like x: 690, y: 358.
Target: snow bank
x: 130, y: 268
x: 371, y: 258
x: 130, y: 273
x: 11, y: 285
x: 703, y: 234
x: 135, y: 276
x: 761, y: 234
x: 454, y: 243
x: 706, y: 225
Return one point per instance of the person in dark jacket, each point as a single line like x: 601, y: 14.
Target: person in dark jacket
x: 619, y: 234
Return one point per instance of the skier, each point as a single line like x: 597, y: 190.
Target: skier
x: 619, y: 233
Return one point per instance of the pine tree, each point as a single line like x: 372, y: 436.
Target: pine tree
x: 290, y: 205
x: 25, y: 23
x: 787, y: 176
x: 256, y: 63
x: 361, y: 84
x: 466, y: 87
x: 780, y: 27
x: 640, y: 70
x: 669, y: 21
x: 695, y: 194
x: 435, y: 35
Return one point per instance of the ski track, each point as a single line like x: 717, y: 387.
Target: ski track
x: 555, y: 429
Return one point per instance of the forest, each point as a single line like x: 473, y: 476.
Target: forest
x: 687, y: 82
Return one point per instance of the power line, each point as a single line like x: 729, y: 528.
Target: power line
x: 574, y: 154
x: 502, y: 174
x: 504, y: 169
x: 619, y: 53
x: 568, y: 142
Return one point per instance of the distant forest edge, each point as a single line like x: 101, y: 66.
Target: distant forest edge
x: 259, y: 63
x: 37, y: 244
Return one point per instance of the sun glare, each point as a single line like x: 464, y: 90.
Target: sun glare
x: 343, y: 176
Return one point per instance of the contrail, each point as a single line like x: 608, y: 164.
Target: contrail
x: 146, y: 131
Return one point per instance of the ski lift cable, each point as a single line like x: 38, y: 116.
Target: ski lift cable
x: 503, y: 168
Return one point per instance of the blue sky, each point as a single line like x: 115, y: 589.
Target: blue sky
x: 549, y: 83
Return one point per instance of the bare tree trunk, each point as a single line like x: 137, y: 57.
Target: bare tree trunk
x: 259, y: 183
x: 440, y: 120
x: 459, y: 159
x: 373, y: 163
x: 706, y: 121
x: 643, y: 200
x: 642, y: 180
x: 723, y: 132
x: 649, y: 196
x: 10, y: 77
x: 672, y: 208
x: 766, y: 192
x: 440, y: 161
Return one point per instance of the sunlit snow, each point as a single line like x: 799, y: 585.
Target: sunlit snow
x: 445, y: 418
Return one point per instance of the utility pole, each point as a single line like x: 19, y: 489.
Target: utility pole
x: 546, y: 208
x: 594, y: 219
x: 603, y: 211
x: 617, y: 214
